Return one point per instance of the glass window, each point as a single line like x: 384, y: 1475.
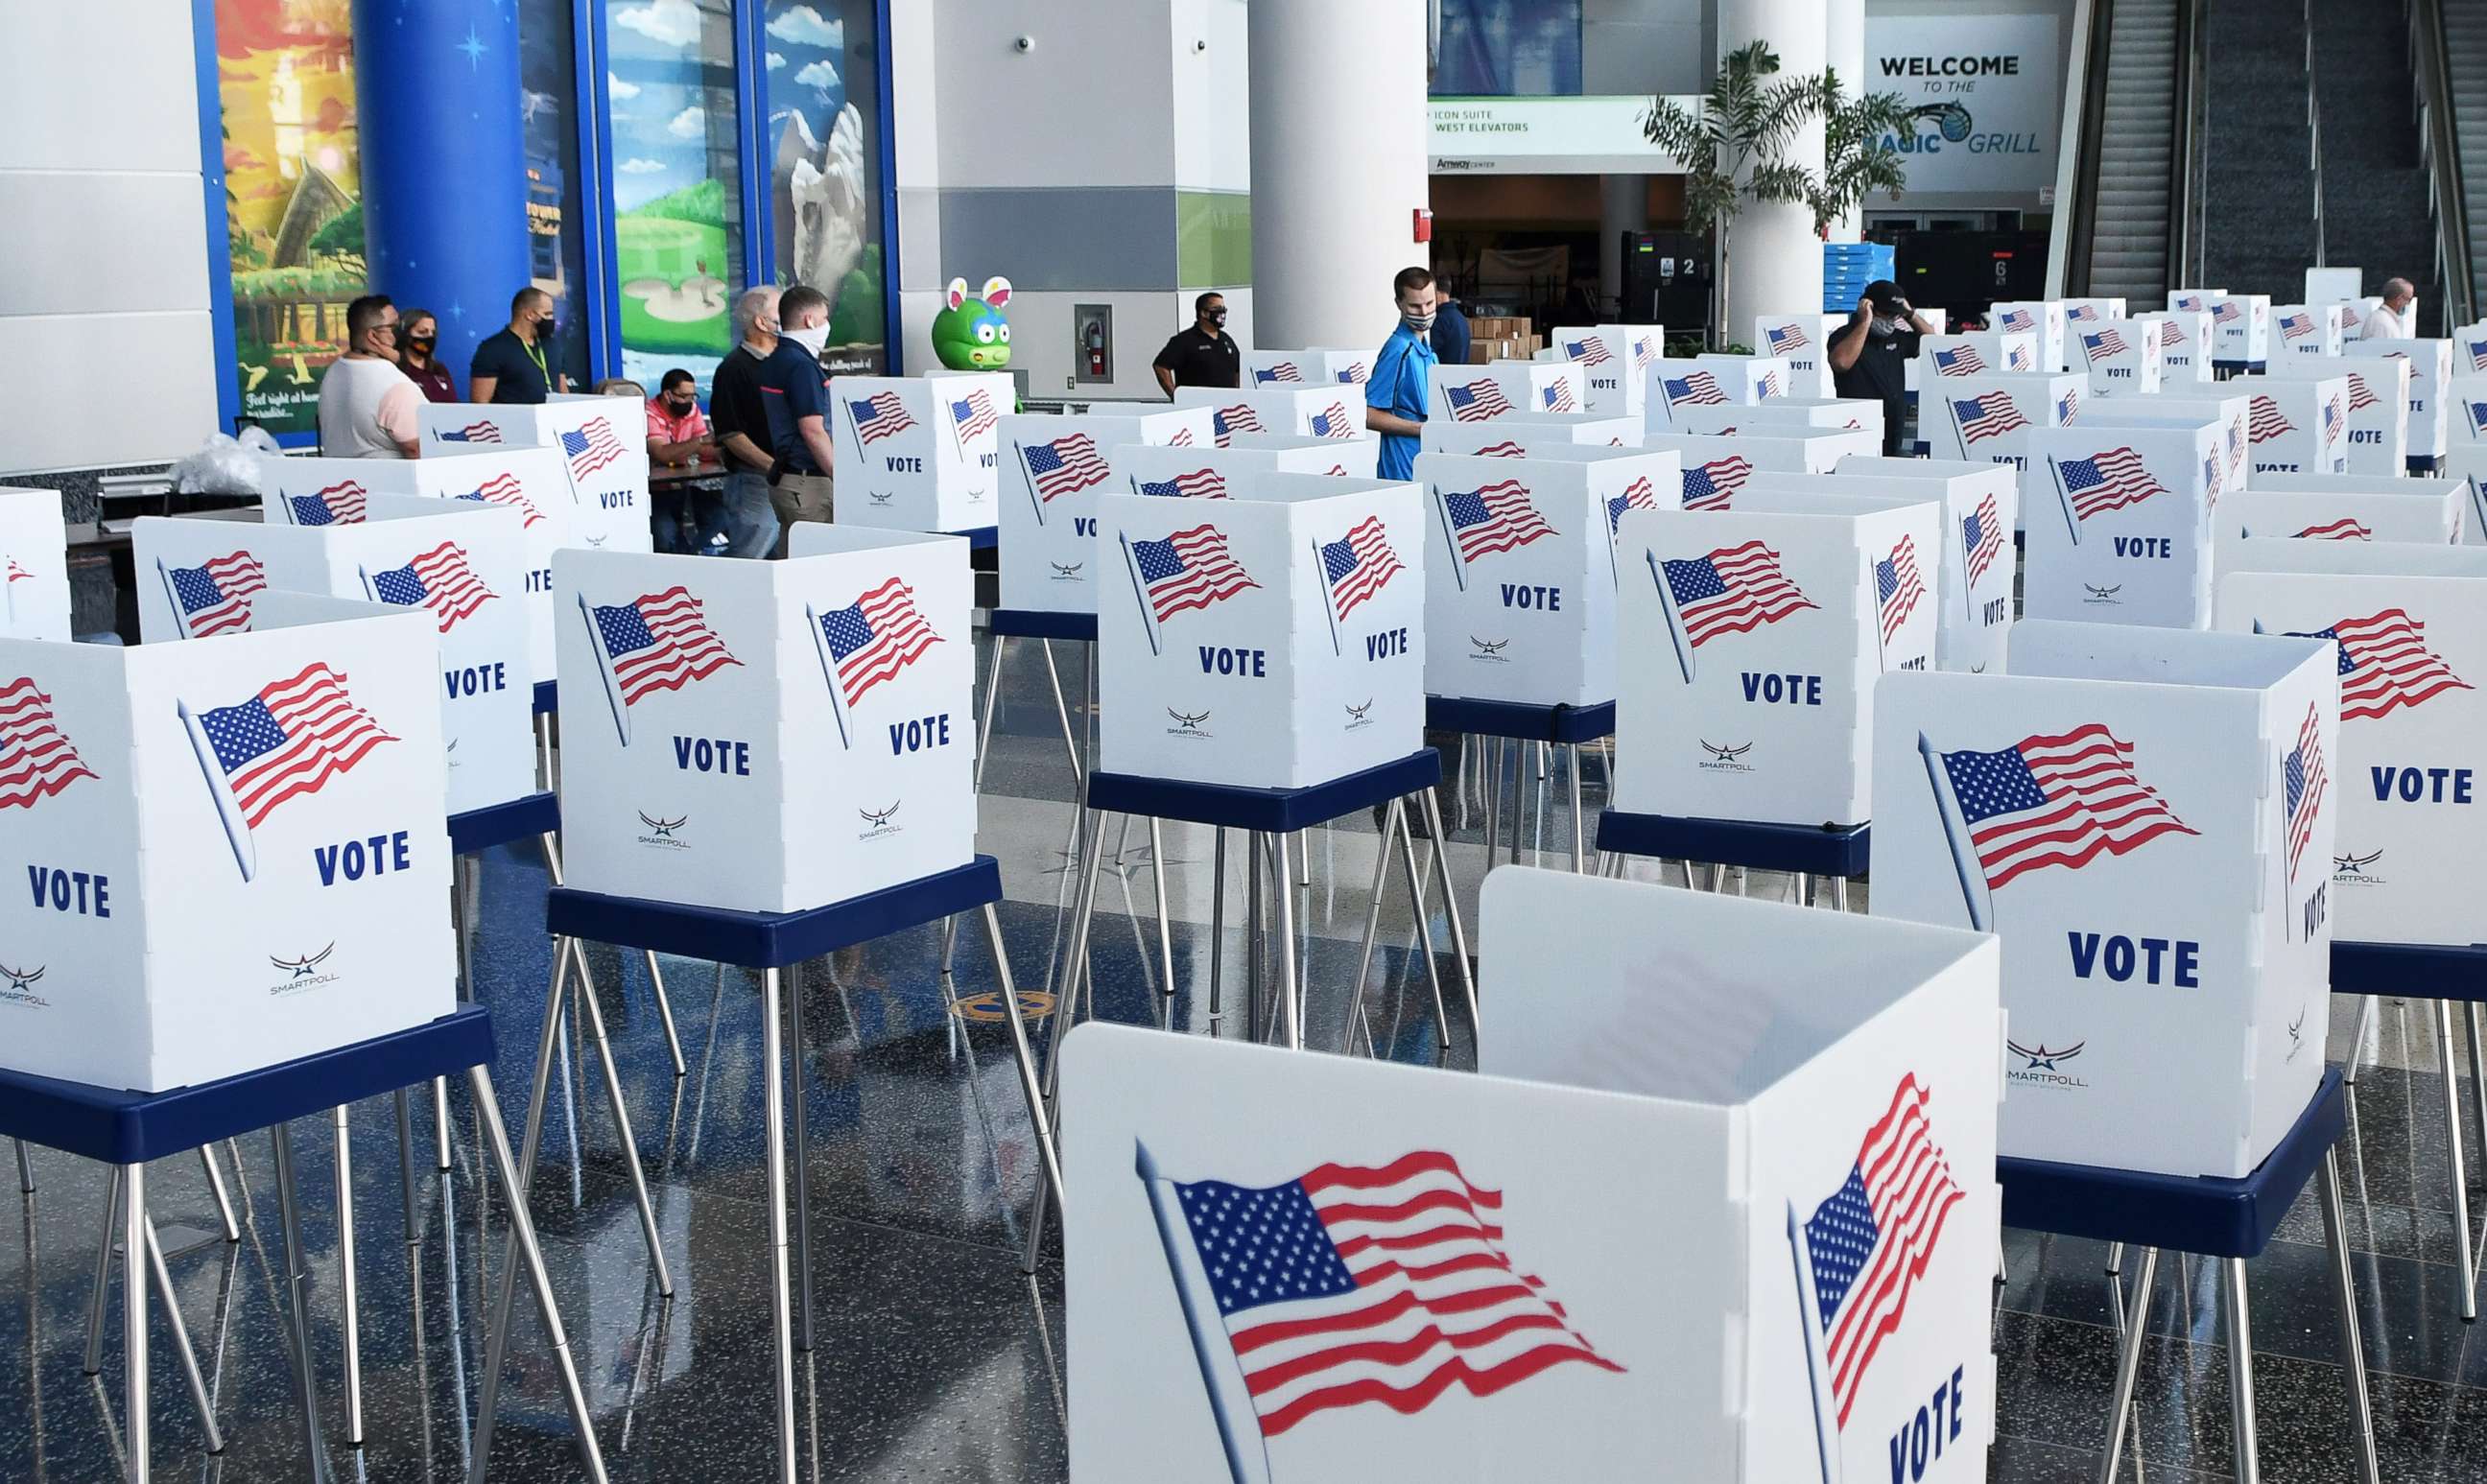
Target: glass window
x: 822, y: 106
x: 1498, y: 48
x: 677, y: 185
x: 556, y: 218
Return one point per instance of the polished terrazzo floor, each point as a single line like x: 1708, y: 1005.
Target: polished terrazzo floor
x: 935, y: 1358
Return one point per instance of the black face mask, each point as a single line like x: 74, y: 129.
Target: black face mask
x: 544, y: 331
x: 421, y: 345
x: 681, y: 409
x: 1216, y: 318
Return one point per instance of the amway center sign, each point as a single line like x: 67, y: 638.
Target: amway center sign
x: 1986, y: 92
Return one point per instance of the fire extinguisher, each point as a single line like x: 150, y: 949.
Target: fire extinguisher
x: 1096, y: 346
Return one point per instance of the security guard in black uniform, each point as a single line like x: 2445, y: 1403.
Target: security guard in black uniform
x: 1203, y: 355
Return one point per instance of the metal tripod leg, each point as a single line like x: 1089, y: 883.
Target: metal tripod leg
x: 346, y: 1285
x: 774, y: 1117
x: 133, y: 1319
x: 1390, y: 825
x: 794, y: 978
x: 188, y: 1357
x: 2454, y: 1157
x: 2239, y: 1328
x: 1021, y: 1051
x: 665, y: 1011
x: 2358, y: 1040
x: 2128, y: 1363
x: 297, y: 1312
x: 1425, y: 937
x: 1288, y: 983
x: 985, y: 724
x: 1580, y: 823
x: 1451, y: 908
x: 1166, y: 934
x: 1074, y: 966
x: 1217, y: 934
x: 2345, y: 1293
x: 216, y: 1184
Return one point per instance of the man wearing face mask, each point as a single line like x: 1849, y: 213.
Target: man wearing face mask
x: 793, y: 393
x: 1203, y: 355
x: 1395, y: 396
x: 1869, y: 354
x: 738, y: 416
x: 368, y: 408
x: 510, y: 365
x: 687, y: 518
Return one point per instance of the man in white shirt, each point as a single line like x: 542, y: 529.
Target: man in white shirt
x: 369, y: 408
x: 2391, y: 320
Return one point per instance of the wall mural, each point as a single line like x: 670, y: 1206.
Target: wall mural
x: 825, y: 192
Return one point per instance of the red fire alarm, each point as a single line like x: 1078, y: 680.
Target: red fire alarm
x: 1424, y: 224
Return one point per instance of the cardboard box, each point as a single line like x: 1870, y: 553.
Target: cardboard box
x: 1753, y: 697
x: 919, y: 453
x: 1838, y: 415
x: 1795, y: 1062
x: 2297, y: 427
x: 2433, y: 512
x: 1052, y: 467
x: 1274, y: 639
x: 2410, y: 628
x: 2376, y: 444
x: 768, y: 737
x: 2145, y: 818
x: 34, y: 566
x: 2120, y: 530
x: 1310, y: 411
x: 1522, y: 605
x: 1613, y: 361
x: 1307, y: 368
x: 2123, y: 356
x: 1802, y: 345
x: 2040, y: 318
x: 238, y: 850
x: 2431, y: 419
x: 2307, y: 329
x: 1470, y: 394
x: 2231, y: 412
x: 1448, y: 435
x: 1977, y: 354
x: 2185, y: 349
x: 464, y: 566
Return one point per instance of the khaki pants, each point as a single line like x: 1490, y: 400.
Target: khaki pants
x: 800, y: 497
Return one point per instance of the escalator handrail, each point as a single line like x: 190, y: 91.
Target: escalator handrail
x: 2433, y: 70
x: 2076, y: 218
x: 2183, y: 153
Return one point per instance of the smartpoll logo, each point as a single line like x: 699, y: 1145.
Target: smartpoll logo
x: 2103, y: 595
x: 1724, y: 760
x: 2358, y: 869
x: 1358, y: 718
x: 20, y: 987
x: 302, y: 973
x: 657, y: 833
x: 2043, y: 1067
x: 1193, y: 724
x: 1489, y: 651
x: 2296, y: 1037
x: 1067, y: 573
x: 877, y: 824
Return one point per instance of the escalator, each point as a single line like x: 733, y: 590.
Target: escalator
x: 2129, y: 202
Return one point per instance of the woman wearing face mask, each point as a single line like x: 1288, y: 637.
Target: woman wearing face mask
x: 415, y: 358
x: 1870, y: 352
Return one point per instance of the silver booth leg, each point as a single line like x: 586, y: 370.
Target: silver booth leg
x: 2454, y: 1157
x: 133, y: 1317
x: 2353, y: 1353
x: 2128, y: 1363
x: 2239, y: 1331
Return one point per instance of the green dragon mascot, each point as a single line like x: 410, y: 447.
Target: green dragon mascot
x: 971, y: 333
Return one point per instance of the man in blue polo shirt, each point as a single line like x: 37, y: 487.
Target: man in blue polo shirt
x: 1395, y: 394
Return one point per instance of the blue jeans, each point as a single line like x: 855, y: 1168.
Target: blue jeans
x: 688, y: 521
x: 750, y: 519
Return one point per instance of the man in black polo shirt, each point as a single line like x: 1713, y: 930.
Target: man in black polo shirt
x: 509, y: 367
x: 740, y: 421
x: 1869, y: 354
x: 793, y: 392
x: 1203, y: 355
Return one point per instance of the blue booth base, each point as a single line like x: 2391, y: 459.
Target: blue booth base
x: 548, y: 697
x: 1037, y: 624
x: 1562, y: 725
x: 2410, y: 971
x: 1268, y: 811
x: 524, y: 818
x: 771, y: 939
x: 2422, y: 464
x: 981, y: 537
x: 1806, y: 849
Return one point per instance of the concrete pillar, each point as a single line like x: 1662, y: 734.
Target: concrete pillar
x: 1338, y: 166
x: 1774, y: 257
x: 444, y: 163
x: 1844, y: 52
x: 1623, y: 205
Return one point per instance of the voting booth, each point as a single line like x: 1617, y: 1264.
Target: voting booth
x: 237, y: 851
x: 1613, y: 360
x: 1709, y: 380
x: 2467, y: 464
x: 2297, y: 427
x: 2184, y: 347
x: 2118, y: 525
x: 1052, y: 467
x: 1510, y: 435
x: 1300, y: 368
x: 2041, y: 318
x: 2376, y: 443
x: 2230, y: 415
x: 1785, y: 416
x: 1519, y: 601
x: 919, y: 453
x: 600, y: 442
x: 462, y: 566
x: 2123, y: 356
x: 2408, y: 626
x: 1978, y: 352
x: 1482, y: 393
x: 2145, y: 819
x: 2305, y: 329
x: 1189, y: 471
x: 2240, y: 329
x: 1979, y: 501
x: 2431, y: 512
x: 767, y: 737
x: 34, y: 566
x: 1802, y: 345
x: 2431, y: 418
x: 535, y: 484
x: 2470, y: 530
x: 1275, y: 640
x: 1984, y: 419
x: 1686, y: 1281
x: 1715, y: 466
x: 1334, y: 412
x: 1748, y: 692
x: 2088, y: 314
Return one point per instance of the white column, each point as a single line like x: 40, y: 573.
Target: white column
x: 1774, y: 257
x: 1338, y: 166
x: 1844, y: 52
x: 1623, y: 205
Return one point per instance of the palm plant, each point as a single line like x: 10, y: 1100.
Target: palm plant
x: 1734, y: 147
x: 1854, y: 164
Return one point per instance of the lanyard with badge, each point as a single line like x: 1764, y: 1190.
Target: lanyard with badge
x: 535, y: 353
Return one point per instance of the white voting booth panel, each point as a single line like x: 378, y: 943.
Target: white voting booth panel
x: 2041, y: 318
x: 2448, y: 484
x: 919, y: 453
x: 464, y: 566
x: 2145, y: 819
x: 2088, y: 314
x: 1712, y: 468
x: 1987, y: 419
x: 2297, y: 427
x: 1275, y: 640
x: 1520, y: 604
x: 2431, y: 418
x: 2305, y: 329
x: 2231, y: 415
x: 1801, y: 344
x: 766, y: 736
x: 1170, y: 471
x: 2118, y: 527
x: 1052, y: 467
x: 2122, y: 357
x: 1612, y: 359
x: 34, y: 566
x: 1844, y: 414
x: 2409, y: 626
x: 1761, y: 376
x: 474, y: 428
x: 1331, y: 412
x: 1977, y: 354
x: 1759, y: 631
x: 2469, y: 466
x: 1348, y: 365
x: 1304, y: 453
x: 1504, y: 434
x: 330, y: 491
x: 603, y: 447
x: 2431, y: 512
x: 1802, y: 1059
x: 2376, y: 443
x: 1482, y: 393
x: 237, y: 850
x: 1304, y: 368
x: 534, y: 483
x: 2240, y: 328
x: 2184, y: 347
x: 1978, y: 503
x: 2354, y: 311
x: 1674, y: 383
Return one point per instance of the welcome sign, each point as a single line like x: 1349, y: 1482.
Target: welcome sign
x: 1983, y: 95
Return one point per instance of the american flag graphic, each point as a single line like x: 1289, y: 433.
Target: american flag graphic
x: 2384, y: 664
x: 1066, y: 466
x: 1591, y: 351
x: 438, y: 580
x: 1497, y: 518
x: 2348, y: 317
x: 1695, y: 389
x: 1182, y: 439
x: 2304, y: 779
x: 591, y: 447
x: 1871, y: 1240
x: 1358, y: 565
x: 1284, y: 370
x: 1644, y: 351
x: 2344, y: 529
x: 660, y: 641
x: 2333, y: 417
x: 1189, y: 569
x: 14, y: 573
x: 1964, y: 361
x: 339, y: 504
x: 35, y: 758
x: 1710, y: 486
x: 1503, y: 450
x: 1477, y: 402
x: 2019, y: 322
x: 1639, y: 494
x: 1355, y: 374
x: 1356, y: 1284
x: 2067, y: 408
x: 1769, y: 386
x: 2170, y: 334
x: 2228, y: 312
x: 1785, y: 339
x: 972, y: 416
x: 289, y: 739
x: 2056, y: 801
x: 478, y: 432
x: 2104, y: 342
x: 1897, y: 586
x: 2189, y: 303
x: 2081, y: 312
x: 875, y: 638
x: 878, y: 416
x: 505, y: 490
x: 2296, y: 327
x: 1332, y: 422
x: 2361, y: 395
x: 1987, y: 415
x: 2106, y: 480
x: 1733, y: 590
x: 1981, y: 539
x: 1199, y: 485
x: 2267, y: 423
x: 2477, y: 355
x: 216, y: 597
x: 2211, y: 480
x: 2478, y: 417
x: 1558, y: 396
x: 1226, y: 422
